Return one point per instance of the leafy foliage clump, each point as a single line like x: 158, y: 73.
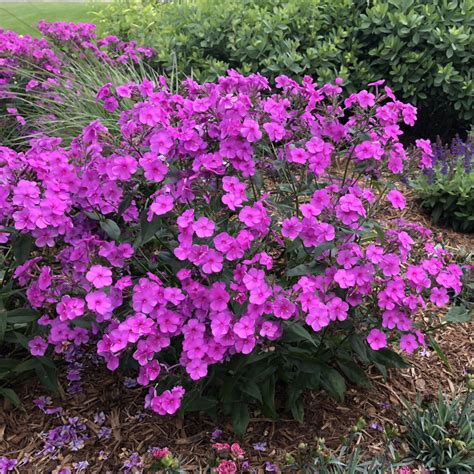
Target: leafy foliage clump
x: 440, y: 433
x: 446, y: 190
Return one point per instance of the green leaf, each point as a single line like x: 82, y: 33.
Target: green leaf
x: 125, y: 204
x: 3, y: 321
x: 458, y: 314
x: 22, y: 245
x: 25, y: 366
x: 301, y: 332
x: 388, y: 358
x: 47, y: 376
x: 305, y: 269
x: 22, y: 339
x: 240, y: 418
x: 297, y: 410
x: 22, y: 315
x: 249, y: 387
x: 10, y: 395
x: 199, y: 403
x: 439, y: 352
x: 359, y: 347
x: 148, y: 230
x: 8, y: 364
x: 380, y: 232
x: 333, y: 382
x: 111, y: 228
x: 317, y: 251
x: 92, y: 215
x: 267, y: 387
x: 354, y: 373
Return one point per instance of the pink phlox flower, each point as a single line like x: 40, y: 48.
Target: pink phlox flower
x: 409, y: 343
x: 396, y: 199
x: 99, y: 276
x: 377, y: 339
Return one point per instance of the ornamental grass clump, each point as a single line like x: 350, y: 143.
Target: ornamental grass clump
x: 440, y: 433
x: 224, y: 244
x: 49, y: 84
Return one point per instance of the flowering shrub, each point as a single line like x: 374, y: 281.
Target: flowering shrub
x: 224, y: 241
x: 446, y: 190
x: 49, y: 84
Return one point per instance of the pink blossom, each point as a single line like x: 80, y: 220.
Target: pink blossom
x: 99, y: 302
x: 213, y: 262
x: 161, y: 142
x: 368, y: 149
x: 250, y: 130
x: 408, y: 343
x: 226, y: 467
x: 291, y: 228
x: 99, y: 276
x: 162, y: 205
x: 396, y: 199
x: 37, y: 346
x: 439, y: 296
x: 283, y: 308
x: 204, y: 227
x: 377, y: 339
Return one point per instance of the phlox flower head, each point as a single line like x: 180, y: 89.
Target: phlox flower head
x: 377, y: 339
x: 99, y: 276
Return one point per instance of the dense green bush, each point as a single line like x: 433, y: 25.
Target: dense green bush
x: 446, y: 191
x: 423, y: 48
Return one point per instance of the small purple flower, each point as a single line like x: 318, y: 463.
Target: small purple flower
x: 130, y: 382
x: 216, y: 434
x: 270, y: 467
x: 75, y: 389
x: 134, y: 461
x: 424, y: 352
x: 53, y: 410
x: 77, y: 444
x: 103, y: 456
x: 7, y: 464
x: 376, y: 426
x: 262, y: 446
x: 81, y: 466
x: 99, y: 418
x: 104, y: 432
x: 73, y: 375
x: 42, y: 402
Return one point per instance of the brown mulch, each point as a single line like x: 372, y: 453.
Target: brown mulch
x: 133, y: 430
x: 190, y: 437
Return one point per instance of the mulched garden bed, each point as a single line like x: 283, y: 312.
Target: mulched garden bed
x: 110, y: 443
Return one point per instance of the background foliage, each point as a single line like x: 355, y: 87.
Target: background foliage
x: 446, y: 191
x: 421, y: 48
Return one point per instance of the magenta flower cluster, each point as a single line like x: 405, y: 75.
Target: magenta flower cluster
x: 182, y: 230
x: 45, y: 60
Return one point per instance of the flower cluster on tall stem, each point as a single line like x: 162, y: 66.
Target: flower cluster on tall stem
x: 217, y: 214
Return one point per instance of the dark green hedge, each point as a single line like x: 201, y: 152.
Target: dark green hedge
x: 422, y: 48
